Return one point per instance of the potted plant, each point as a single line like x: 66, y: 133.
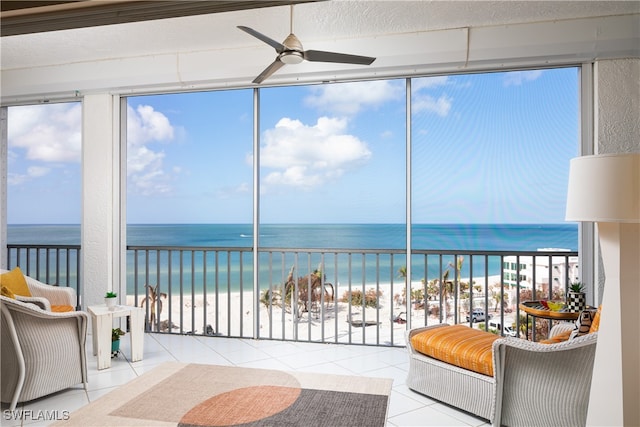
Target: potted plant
x: 110, y: 300
x: 116, y: 333
x: 576, y: 298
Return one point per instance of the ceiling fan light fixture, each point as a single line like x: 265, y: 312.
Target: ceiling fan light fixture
x: 291, y: 58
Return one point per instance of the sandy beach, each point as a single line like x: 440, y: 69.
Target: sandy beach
x: 230, y: 314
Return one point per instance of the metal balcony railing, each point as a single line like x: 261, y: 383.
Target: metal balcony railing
x: 352, y: 296
x: 57, y: 265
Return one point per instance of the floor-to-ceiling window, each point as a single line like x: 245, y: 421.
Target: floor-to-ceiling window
x: 332, y: 176
x: 490, y: 156
x: 189, y: 186
x: 44, y: 186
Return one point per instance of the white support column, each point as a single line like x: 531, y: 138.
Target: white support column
x: 4, y: 149
x: 100, y: 188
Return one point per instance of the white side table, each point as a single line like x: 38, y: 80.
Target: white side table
x: 102, y: 321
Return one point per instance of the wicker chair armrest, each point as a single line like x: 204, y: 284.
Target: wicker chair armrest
x: 536, y: 347
x: 55, y: 294
x: 41, y: 302
x: 34, y: 310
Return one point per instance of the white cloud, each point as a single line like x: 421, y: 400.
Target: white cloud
x: 32, y: 173
x: 428, y: 83
x: 423, y: 102
x: 145, y: 167
x: 517, y: 78
x: 48, y: 133
x: 230, y: 192
x: 51, y: 134
x: 36, y: 171
x: 144, y: 125
x: 386, y: 134
x: 350, y: 98
x: 307, y: 156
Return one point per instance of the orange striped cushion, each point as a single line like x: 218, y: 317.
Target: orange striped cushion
x: 61, y: 308
x: 458, y: 345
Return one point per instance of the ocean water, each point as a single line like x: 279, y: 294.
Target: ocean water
x: 195, y: 271
x: 481, y: 237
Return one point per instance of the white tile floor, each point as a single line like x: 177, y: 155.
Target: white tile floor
x: 406, y: 407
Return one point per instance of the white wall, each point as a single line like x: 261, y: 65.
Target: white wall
x: 617, y: 130
x: 618, y: 106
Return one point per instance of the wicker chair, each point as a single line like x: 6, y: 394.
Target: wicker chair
x: 533, y: 383
x: 47, y: 295
x: 42, y: 352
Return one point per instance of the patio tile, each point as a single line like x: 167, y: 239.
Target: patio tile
x: 406, y: 408
x: 401, y: 404
x: 58, y: 406
x: 464, y: 417
x: 426, y: 416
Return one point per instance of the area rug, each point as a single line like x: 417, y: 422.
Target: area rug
x: 179, y: 394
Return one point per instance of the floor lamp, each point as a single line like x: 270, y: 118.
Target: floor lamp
x: 605, y: 189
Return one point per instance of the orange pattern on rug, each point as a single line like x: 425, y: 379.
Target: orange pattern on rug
x: 241, y: 406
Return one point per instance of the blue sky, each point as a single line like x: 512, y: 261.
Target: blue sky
x: 487, y: 148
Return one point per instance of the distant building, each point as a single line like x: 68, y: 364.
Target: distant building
x: 543, y: 269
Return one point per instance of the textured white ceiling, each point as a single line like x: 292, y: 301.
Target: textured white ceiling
x: 314, y: 23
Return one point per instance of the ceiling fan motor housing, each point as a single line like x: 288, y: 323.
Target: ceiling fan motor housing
x: 291, y: 57
x: 294, y: 52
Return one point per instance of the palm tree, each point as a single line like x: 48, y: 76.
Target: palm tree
x: 269, y: 298
x: 153, y: 299
x: 449, y: 287
x: 446, y: 289
x: 401, y: 300
x: 498, y: 298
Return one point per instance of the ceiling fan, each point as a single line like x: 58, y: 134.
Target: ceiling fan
x: 290, y: 51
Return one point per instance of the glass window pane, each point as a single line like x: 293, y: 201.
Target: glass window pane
x: 490, y: 162
x: 44, y: 184
x: 333, y: 154
x: 188, y: 159
x: 44, y: 177
x: 189, y: 190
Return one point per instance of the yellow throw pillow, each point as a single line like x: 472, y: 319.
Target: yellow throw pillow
x: 6, y: 292
x: 15, y: 282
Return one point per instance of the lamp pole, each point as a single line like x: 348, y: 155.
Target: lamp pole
x: 605, y: 189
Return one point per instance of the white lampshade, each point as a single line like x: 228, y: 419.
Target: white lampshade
x: 604, y: 188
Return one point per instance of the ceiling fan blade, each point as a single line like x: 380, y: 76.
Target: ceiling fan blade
x: 275, y: 66
x: 321, y: 56
x: 279, y: 47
